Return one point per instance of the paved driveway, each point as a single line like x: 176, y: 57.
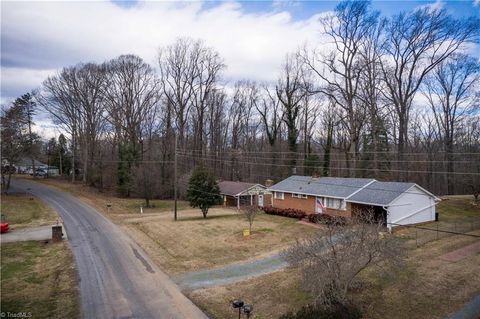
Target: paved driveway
x: 30, y: 233
x: 117, y: 279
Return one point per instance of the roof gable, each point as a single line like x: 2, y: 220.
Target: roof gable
x: 234, y: 188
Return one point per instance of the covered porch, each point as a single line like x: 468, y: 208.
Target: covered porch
x: 238, y: 194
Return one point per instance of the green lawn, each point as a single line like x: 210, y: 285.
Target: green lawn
x: 459, y: 208
x: 40, y: 279
x: 24, y: 210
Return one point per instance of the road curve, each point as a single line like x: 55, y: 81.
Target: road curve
x: 117, y: 278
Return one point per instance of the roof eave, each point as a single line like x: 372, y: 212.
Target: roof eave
x: 364, y: 203
x: 303, y: 193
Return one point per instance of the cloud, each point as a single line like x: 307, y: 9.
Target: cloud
x: 38, y: 37
x: 437, y: 5
x: 16, y: 81
x: 476, y: 3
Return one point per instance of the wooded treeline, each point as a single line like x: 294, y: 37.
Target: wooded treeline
x: 392, y: 98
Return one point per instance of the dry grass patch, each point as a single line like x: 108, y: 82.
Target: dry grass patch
x: 457, y: 213
x: 40, y: 279
x: 119, y: 206
x: 195, y: 243
x: 271, y: 295
x: 420, y: 289
x: 191, y: 243
x: 25, y: 210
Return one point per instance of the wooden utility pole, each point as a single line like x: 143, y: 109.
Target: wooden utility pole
x: 175, y: 179
x: 29, y: 117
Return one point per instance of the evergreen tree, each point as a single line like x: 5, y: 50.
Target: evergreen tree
x: 127, y: 158
x: 203, y: 191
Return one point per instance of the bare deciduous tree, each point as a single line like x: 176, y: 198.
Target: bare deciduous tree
x: 415, y: 43
x: 331, y: 260
x: 452, y: 93
x: 250, y: 212
x: 340, y: 70
x: 291, y: 90
x: 58, y: 99
x: 131, y: 95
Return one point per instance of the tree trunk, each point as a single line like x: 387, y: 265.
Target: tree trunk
x: 73, y: 157
x: 328, y: 150
x: 450, y: 167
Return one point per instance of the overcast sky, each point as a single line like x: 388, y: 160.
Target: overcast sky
x: 38, y: 38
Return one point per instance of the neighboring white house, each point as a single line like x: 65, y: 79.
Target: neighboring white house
x: 24, y: 166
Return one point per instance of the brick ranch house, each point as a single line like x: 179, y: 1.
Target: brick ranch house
x: 237, y: 194
x: 395, y: 203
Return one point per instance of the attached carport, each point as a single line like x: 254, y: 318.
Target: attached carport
x: 396, y: 202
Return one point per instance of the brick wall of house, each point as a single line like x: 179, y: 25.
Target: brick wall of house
x: 338, y: 212
x: 305, y: 204
x: 308, y: 205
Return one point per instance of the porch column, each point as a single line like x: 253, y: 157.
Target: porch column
x: 251, y: 200
x: 238, y: 202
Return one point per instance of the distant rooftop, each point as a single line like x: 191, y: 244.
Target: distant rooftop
x: 28, y: 162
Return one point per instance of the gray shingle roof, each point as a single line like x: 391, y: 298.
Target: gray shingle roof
x: 233, y: 188
x: 339, y: 187
x: 380, y: 193
x: 28, y: 162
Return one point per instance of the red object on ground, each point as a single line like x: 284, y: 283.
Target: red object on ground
x: 3, y: 227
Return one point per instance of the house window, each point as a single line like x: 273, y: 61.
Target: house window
x: 299, y: 196
x: 334, y: 203
x: 278, y: 195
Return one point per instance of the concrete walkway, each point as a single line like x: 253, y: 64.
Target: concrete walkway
x: 31, y: 233
x: 231, y: 273
x: 470, y: 310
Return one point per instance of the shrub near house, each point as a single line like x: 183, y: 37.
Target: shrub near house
x: 286, y: 212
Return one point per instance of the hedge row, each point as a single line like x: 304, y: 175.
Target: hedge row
x: 300, y: 214
x: 327, y: 219
x: 286, y: 212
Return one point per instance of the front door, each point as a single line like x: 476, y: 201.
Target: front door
x: 260, y: 200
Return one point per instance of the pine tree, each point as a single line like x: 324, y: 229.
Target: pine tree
x: 203, y: 191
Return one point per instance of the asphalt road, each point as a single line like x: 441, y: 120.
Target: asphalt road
x: 117, y: 278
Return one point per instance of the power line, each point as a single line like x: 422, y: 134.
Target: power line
x: 132, y: 161
x: 331, y: 160
x: 359, y: 152
x: 340, y: 168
